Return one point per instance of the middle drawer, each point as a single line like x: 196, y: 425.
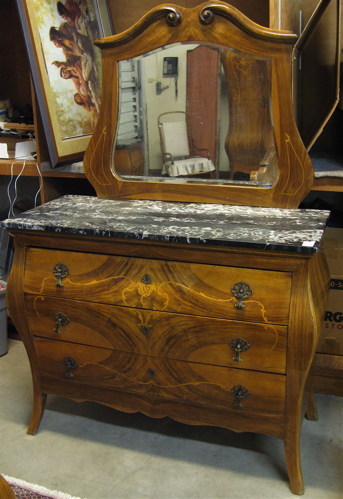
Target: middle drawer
x: 176, y: 336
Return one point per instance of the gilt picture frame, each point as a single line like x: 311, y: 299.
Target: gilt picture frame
x: 66, y: 69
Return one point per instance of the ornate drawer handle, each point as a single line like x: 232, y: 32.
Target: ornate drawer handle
x: 60, y: 271
x: 70, y: 363
x: 146, y: 279
x: 240, y: 393
x: 241, y: 291
x: 239, y: 345
x: 61, y: 320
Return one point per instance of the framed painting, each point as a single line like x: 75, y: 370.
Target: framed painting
x: 66, y: 69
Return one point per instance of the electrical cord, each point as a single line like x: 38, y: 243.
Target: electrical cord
x: 12, y: 201
x: 40, y: 184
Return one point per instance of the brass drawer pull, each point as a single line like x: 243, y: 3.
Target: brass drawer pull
x: 146, y: 279
x: 61, y: 320
x: 241, y: 291
x: 60, y: 271
x: 70, y: 363
x: 240, y: 393
x: 239, y: 345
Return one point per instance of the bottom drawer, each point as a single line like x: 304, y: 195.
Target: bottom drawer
x: 248, y: 391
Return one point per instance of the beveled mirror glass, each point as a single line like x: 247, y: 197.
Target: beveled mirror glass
x: 196, y: 112
x: 197, y: 106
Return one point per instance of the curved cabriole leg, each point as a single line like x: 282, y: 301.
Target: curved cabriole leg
x: 39, y: 403
x: 292, y: 455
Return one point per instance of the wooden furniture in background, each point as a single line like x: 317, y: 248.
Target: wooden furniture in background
x: 250, y: 137
x: 327, y: 372
x: 202, y: 98
x: 129, y: 158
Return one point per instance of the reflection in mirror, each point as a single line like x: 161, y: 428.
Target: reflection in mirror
x: 198, y: 113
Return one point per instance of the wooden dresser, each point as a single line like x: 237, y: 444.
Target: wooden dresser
x: 197, y: 299
x: 211, y: 320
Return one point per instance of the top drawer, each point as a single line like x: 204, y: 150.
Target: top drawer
x: 198, y: 289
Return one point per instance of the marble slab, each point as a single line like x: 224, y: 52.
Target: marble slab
x: 194, y: 223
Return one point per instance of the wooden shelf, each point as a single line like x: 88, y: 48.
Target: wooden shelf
x: 14, y: 167
x: 331, y: 184
x: 56, y: 174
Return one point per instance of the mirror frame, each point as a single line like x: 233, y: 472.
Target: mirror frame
x: 222, y: 24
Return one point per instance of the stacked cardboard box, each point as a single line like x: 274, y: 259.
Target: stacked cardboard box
x: 331, y: 340
x: 328, y: 363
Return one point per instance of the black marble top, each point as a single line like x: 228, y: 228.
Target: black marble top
x: 196, y: 223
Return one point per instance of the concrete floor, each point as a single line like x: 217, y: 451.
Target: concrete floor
x: 95, y: 452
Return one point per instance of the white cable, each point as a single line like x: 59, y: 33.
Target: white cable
x: 12, y: 202
x: 15, y: 187
x: 40, y: 184
x: 8, y: 192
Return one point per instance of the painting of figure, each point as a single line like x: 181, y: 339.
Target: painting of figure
x: 62, y: 35
x: 68, y: 31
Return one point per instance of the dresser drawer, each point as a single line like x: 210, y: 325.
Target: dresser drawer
x: 197, y: 383
x: 184, y: 337
x: 180, y: 287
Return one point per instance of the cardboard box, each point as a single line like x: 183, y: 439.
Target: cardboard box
x: 331, y: 338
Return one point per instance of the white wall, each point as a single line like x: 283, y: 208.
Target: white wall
x: 152, y: 72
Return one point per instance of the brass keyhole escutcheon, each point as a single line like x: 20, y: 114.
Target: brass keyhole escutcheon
x: 61, y: 320
x: 146, y: 279
x: 70, y: 364
x: 240, y: 393
x: 145, y: 330
x: 60, y: 271
x: 241, y: 291
x: 239, y: 345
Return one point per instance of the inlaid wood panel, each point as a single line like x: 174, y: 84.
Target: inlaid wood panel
x: 171, y: 379
x: 182, y: 337
x: 160, y: 285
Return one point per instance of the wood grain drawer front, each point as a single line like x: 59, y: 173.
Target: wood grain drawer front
x: 171, y: 379
x: 200, y: 339
x: 197, y: 289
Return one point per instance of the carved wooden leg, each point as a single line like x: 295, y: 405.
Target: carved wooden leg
x: 39, y: 403
x: 6, y: 491
x: 292, y: 455
x: 311, y: 409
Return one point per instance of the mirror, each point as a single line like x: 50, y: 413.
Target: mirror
x: 228, y: 83
x: 196, y: 113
